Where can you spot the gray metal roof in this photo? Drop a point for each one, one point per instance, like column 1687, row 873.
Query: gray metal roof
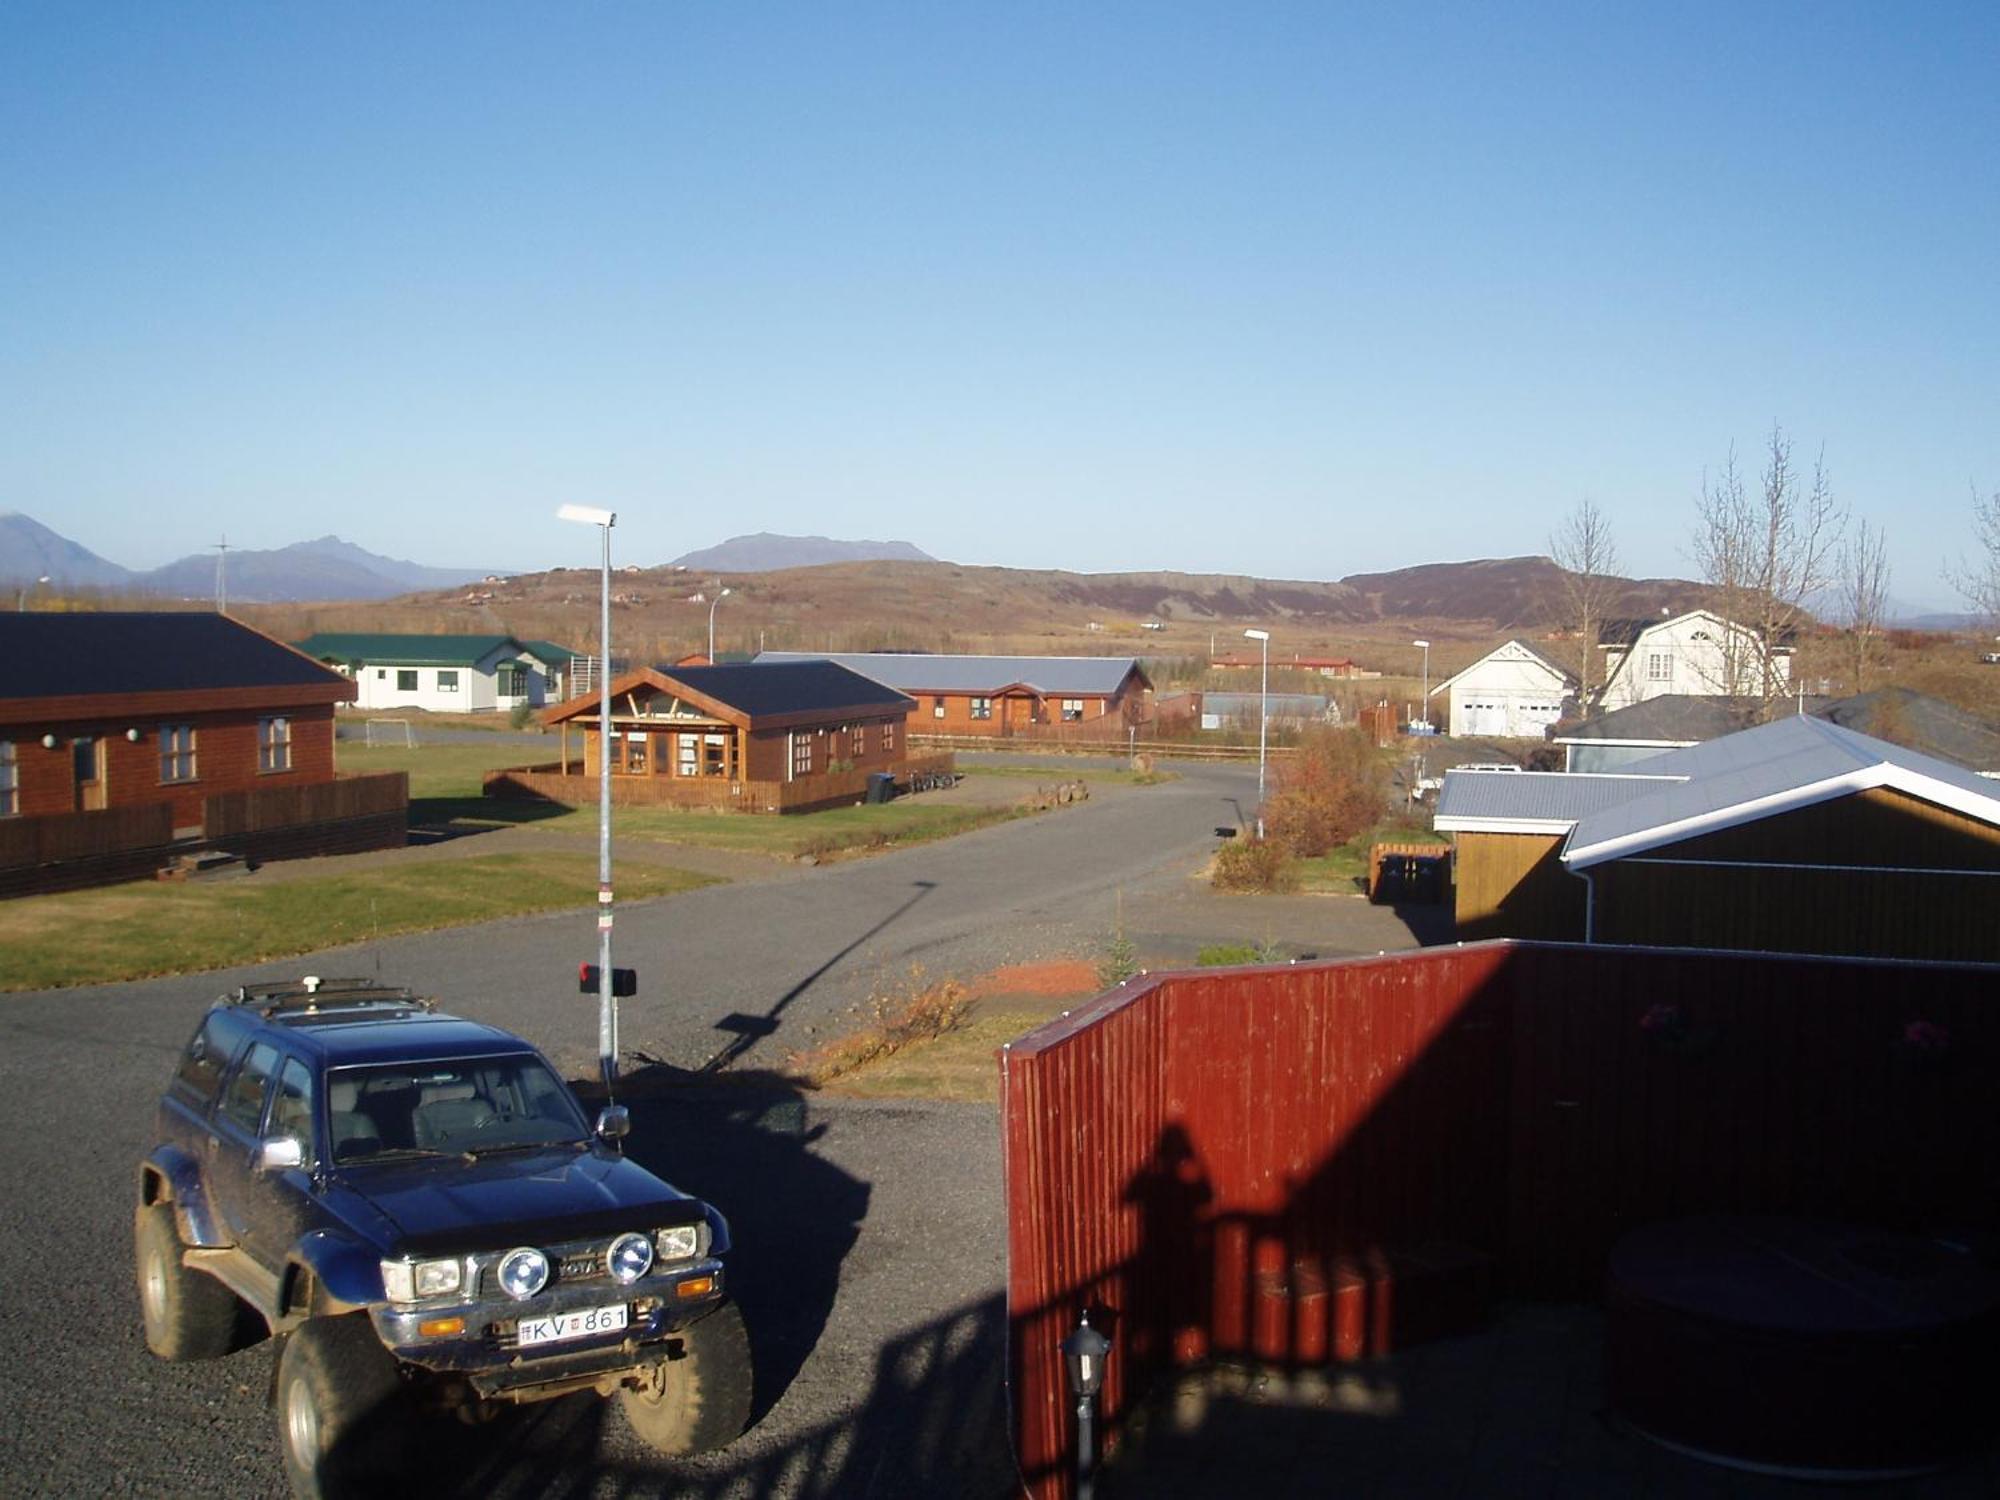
column 1791, row 762
column 1052, row 676
column 1533, row 801
column 1281, row 705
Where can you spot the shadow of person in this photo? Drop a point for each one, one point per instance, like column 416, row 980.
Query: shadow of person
column 1176, row 1251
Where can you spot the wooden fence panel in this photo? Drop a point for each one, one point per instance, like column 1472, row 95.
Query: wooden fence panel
column 54, row 837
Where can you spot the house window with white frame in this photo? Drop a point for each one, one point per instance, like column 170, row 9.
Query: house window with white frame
column 10, row 781
column 177, row 752
column 1072, row 710
column 937, row 708
column 888, row 736
column 1659, row 666
column 274, row 744
column 802, row 755
column 513, row 680
column 982, row 708
column 406, row 679
column 448, row 681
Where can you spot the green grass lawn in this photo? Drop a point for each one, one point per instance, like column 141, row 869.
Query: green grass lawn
column 445, row 782
column 132, row 931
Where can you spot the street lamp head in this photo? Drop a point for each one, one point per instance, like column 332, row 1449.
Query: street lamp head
column 725, row 593
column 1258, row 635
column 1425, row 644
column 587, row 515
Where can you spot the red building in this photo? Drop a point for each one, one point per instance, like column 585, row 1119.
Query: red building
column 124, row 733
column 1087, row 696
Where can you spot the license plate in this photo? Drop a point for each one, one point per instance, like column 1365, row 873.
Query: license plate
column 558, row 1328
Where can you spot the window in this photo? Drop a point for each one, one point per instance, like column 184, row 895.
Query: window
column 380, row 673
column 202, row 1064
column 10, row 781
column 513, row 680
column 888, row 736
column 406, row 680
column 1659, row 666
column 688, row 758
column 982, row 708
column 177, row 752
column 714, row 755
column 243, row 1104
column 292, row 1109
column 1072, row 710
column 448, row 682
column 274, row 744
column 937, row 708
column 802, row 755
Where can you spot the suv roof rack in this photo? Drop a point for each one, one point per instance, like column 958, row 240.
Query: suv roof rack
column 313, row 994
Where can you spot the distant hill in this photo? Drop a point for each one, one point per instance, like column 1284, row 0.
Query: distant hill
column 29, row 550
column 767, row 552
column 324, row 569
column 1512, row 592
column 327, row 568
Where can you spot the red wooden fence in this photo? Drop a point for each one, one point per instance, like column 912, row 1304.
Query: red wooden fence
column 1179, row 1137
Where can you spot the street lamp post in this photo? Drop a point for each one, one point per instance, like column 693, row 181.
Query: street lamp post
column 1425, row 701
column 607, row 1006
column 720, row 596
column 1263, row 638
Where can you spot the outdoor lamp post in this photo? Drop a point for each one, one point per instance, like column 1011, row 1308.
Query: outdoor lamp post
column 720, row 596
column 1425, row 702
column 607, row 1006
column 1083, row 1360
column 1263, row 637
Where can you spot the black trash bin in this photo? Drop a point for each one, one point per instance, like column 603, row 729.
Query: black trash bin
column 881, row 786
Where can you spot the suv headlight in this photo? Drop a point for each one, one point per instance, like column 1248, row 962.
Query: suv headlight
column 417, row 1280
column 682, row 1242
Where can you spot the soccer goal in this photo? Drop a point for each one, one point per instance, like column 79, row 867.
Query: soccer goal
column 390, row 732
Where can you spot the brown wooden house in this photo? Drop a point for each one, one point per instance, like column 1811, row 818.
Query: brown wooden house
column 1797, row 836
column 782, row 737
column 1003, row 696
column 126, row 735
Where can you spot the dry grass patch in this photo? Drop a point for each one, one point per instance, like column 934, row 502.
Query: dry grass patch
column 921, row 1009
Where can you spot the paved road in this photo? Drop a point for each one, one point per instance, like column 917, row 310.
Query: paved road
column 870, row 1245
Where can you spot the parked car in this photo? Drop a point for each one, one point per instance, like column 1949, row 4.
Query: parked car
column 416, row 1205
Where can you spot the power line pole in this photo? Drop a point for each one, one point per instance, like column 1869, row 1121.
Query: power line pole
column 222, row 575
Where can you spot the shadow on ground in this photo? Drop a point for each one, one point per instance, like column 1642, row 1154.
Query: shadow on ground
column 926, row 1418
column 433, row 820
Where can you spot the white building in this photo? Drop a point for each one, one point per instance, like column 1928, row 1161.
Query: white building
column 1695, row 654
column 444, row 673
column 1512, row 692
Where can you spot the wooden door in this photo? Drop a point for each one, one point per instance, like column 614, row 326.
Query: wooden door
column 87, row 760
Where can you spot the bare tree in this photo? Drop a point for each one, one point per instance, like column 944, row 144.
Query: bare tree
column 1977, row 578
column 1864, row 595
column 1582, row 547
column 1765, row 555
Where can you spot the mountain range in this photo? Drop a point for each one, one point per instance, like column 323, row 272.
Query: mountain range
column 767, row 552
column 326, row 568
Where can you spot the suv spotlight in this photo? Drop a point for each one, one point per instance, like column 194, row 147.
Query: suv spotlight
column 418, row 1207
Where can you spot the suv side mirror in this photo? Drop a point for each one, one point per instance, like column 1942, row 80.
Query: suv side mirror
column 614, row 1123
column 279, row 1153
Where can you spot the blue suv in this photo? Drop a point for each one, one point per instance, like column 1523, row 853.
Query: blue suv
column 418, row 1207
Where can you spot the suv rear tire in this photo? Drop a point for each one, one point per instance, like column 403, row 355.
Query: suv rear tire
column 188, row 1314
column 701, row 1401
column 339, row 1418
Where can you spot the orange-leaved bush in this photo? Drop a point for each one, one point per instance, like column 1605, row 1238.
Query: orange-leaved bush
column 1334, row 787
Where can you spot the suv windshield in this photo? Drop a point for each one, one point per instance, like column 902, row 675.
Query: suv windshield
column 465, row 1104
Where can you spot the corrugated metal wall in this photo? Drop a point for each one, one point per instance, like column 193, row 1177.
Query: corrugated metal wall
column 1171, row 1140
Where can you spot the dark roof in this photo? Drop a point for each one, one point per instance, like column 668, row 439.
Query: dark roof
column 760, row 688
column 1671, row 718
column 51, row 655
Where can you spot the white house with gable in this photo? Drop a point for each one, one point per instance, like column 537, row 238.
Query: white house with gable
column 1512, row 692
column 1697, row 654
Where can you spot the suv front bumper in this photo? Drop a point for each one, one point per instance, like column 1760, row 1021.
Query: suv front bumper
column 487, row 1353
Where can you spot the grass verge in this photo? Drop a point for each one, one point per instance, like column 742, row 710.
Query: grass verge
column 136, row 931
column 919, row 1010
column 1058, row 771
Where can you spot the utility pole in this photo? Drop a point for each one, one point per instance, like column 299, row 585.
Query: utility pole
column 222, row 575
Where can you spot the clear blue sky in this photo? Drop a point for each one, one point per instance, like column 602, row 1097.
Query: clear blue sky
column 1289, row 290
